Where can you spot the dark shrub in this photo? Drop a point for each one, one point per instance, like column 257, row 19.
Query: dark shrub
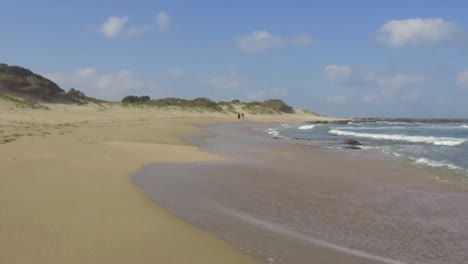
column 131, row 99
column 278, row 105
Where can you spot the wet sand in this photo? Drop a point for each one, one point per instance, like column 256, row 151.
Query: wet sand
column 288, row 203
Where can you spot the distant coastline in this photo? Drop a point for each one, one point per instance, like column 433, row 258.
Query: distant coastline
column 394, row 120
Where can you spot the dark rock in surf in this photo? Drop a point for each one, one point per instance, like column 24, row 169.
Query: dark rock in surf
column 352, row 142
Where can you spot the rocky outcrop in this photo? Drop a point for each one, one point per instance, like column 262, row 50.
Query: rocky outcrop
column 352, row 144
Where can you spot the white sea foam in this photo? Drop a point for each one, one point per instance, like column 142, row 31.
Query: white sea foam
column 423, row 126
column 285, row 125
column 436, row 164
column 273, row 132
column 287, row 232
column 306, row 127
column 439, row 141
column 372, row 128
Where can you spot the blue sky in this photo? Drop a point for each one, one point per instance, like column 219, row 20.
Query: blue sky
column 342, row 58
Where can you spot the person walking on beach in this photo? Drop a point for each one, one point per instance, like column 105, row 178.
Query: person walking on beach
column 242, row 114
column 238, row 115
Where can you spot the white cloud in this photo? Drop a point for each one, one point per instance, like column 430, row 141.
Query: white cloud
column 262, row 40
column 113, row 26
column 302, row 40
column 227, row 81
column 338, row 73
column 123, row 80
column 392, row 84
column 85, row 73
column 163, row 21
column 336, row 99
column 258, row 41
column 136, row 31
column 462, row 79
column 416, row 31
column 111, row 86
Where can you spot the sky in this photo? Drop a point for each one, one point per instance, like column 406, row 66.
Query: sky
column 338, row 58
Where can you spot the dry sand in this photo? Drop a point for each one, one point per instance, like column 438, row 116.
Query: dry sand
column 65, row 190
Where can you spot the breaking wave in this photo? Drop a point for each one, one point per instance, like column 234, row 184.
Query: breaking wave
column 436, row 164
column 305, row 127
column 273, row 132
column 438, row 141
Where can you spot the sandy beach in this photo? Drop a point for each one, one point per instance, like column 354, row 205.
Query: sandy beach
column 233, row 132
column 283, row 202
column 67, row 196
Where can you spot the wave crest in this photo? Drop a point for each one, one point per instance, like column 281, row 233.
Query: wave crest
column 273, row 132
column 438, row 141
column 436, row 164
column 306, row 127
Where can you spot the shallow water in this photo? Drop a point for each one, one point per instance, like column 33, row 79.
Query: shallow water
column 441, row 146
column 289, row 203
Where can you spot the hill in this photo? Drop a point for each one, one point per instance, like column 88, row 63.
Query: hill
column 23, row 83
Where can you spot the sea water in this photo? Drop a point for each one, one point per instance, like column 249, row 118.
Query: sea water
column 442, row 146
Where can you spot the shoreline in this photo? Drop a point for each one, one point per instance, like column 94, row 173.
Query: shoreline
column 386, row 196
column 67, row 197
column 66, row 190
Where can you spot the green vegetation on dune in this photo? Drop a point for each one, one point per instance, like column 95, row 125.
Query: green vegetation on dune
column 136, row 99
column 21, row 103
column 278, row 105
column 80, row 97
column 272, row 106
column 201, row 102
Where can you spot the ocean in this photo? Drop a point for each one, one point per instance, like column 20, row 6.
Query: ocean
column 283, row 201
column 439, row 146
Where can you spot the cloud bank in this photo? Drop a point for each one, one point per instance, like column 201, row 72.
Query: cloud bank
column 398, row 33
column 110, row 86
column 113, row 26
column 118, row 26
column 163, row 21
